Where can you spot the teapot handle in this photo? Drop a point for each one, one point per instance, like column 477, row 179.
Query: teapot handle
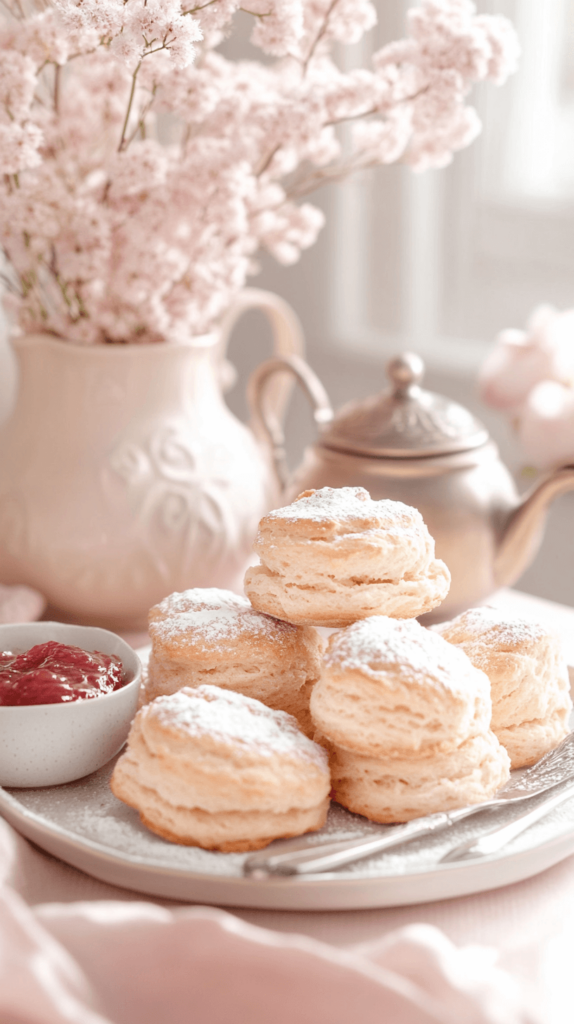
column 266, row 419
column 288, row 338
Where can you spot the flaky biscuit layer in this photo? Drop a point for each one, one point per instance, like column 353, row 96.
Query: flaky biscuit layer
column 335, row 555
column 392, row 686
column 331, row 602
column 208, row 755
column 343, row 529
column 210, row 636
column 530, row 687
column 389, row 790
column 226, row 831
column 528, row 742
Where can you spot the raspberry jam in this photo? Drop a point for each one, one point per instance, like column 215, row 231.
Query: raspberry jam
column 54, row 673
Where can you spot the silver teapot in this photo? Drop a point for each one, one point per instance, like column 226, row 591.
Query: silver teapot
column 425, row 450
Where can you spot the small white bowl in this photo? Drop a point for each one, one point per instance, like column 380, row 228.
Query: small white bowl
column 49, row 744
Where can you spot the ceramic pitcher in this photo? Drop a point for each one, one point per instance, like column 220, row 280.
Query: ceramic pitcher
column 124, row 476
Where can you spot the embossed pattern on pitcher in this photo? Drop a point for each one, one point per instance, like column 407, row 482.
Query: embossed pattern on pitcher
column 124, row 480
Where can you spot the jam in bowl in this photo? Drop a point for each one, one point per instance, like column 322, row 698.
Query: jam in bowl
column 56, row 673
column 68, row 695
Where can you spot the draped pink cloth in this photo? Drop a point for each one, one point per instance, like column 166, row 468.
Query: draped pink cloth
column 135, row 962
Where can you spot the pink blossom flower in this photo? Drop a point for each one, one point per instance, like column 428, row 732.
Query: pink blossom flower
column 383, row 142
column 278, row 25
column 41, row 38
column 213, row 17
column 504, row 47
column 138, row 170
column 17, row 86
column 449, row 48
column 19, row 146
column 102, row 18
column 344, row 20
column 138, row 185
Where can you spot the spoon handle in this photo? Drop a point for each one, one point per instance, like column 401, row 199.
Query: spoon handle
column 331, row 855
column 496, row 838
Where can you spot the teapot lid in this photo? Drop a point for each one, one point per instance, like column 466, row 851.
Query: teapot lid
column 404, row 421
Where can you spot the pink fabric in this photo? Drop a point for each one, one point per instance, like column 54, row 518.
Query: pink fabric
column 120, row 962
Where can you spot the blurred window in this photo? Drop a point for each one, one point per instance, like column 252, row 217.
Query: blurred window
column 444, row 260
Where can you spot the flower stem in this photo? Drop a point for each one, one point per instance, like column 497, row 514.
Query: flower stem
column 57, row 75
column 129, row 110
column 319, row 35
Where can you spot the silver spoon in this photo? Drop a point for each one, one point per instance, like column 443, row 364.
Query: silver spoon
column 494, row 840
column 302, row 856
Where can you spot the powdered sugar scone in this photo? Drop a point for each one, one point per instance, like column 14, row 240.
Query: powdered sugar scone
column 213, row 768
column 396, row 789
column 530, row 688
column 334, row 556
column 406, row 720
column 391, row 686
column 214, row 636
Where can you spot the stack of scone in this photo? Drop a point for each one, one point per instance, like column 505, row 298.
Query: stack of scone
column 334, row 556
column 403, row 712
column 213, row 636
column 213, row 768
column 528, row 675
column 406, row 720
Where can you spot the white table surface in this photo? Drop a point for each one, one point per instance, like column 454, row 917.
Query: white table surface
column 516, row 921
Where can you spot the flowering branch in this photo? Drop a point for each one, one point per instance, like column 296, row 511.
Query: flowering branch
column 129, row 108
column 320, row 34
column 113, row 236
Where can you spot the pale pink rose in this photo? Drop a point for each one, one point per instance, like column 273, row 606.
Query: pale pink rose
column 522, row 359
column 546, row 425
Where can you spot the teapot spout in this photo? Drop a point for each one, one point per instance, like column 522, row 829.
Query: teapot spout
column 525, row 526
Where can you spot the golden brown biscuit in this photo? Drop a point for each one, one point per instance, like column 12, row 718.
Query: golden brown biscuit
column 334, row 556
column 216, row 637
column 530, row 688
column 213, row 768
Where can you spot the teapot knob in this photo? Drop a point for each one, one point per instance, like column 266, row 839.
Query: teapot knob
column 405, row 371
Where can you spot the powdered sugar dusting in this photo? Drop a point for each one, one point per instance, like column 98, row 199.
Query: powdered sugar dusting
column 209, row 617
column 86, row 815
column 490, row 626
column 377, row 645
column 346, row 504
column 235, row 721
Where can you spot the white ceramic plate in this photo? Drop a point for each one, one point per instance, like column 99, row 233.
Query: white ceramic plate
column 83, row 824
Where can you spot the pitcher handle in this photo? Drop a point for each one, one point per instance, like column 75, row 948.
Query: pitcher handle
column 265, row 419
column 288, row 337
